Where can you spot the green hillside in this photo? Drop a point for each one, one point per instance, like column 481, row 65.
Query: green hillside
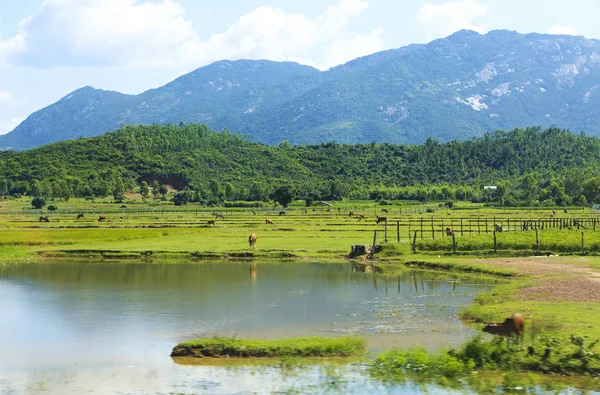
column 528, row 165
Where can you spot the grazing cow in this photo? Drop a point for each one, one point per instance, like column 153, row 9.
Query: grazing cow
column 80, row 216
column 384, row 210
column 253, row 212
column 361, row 216
column 512, row 327
column 381, row 219
column 350, row 214
column 44, row 218
column 219, row 215
column 281, row 213
column 498, row 227
column 565, row 210
column 269, row 221
column 553, row 213
column 252, row 241
column 449, row 232
column 210, row 222
column 102, row 218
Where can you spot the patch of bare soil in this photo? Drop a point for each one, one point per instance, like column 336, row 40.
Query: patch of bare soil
column 566, row 282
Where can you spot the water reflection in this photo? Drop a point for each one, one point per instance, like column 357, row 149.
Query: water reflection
column 90, row 326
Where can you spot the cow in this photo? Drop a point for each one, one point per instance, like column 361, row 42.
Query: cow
column 361, row 216
column 80, row 216
column 253, row 212
column 384, row 210
column 512, row 327
column 449, row 232
column 281, row 213
column 553, row 213
column 219, row 215
column 210, row 222
column 565, row 210
column 269, row 221
column 350, row 214
column 102, row 218
column 381, row 219
column 252, row 241
column 44, row 218
column 498, row 227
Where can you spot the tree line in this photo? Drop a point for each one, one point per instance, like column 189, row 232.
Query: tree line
column 528, row 166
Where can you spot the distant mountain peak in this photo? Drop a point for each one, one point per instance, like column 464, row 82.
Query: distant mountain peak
column 456, row 87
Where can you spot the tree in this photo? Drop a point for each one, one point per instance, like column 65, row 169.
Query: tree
column 155, row 190
column 36, row 188
column 530, row 189
column 284, row 195
column 144, row 189
column 181, row 198
column 38, row 202
column 256, row 192
column 119, row 191
column 163, row 191
column 229, row 191
column 3, row 187
column 214, row 187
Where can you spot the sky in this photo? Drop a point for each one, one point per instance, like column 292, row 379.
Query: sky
column 49, row 48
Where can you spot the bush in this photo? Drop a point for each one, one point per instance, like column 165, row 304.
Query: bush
column 38, row 202
column 123, row 206
column 52, row 208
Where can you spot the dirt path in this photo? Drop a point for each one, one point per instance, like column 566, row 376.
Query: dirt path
column 564, row 278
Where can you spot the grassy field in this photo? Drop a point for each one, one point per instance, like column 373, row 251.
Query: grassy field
column 552, row 291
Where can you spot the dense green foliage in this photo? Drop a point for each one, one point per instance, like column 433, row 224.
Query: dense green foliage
column 296, row 347
column 453, row 88
column 576, row 356
column 531, row 166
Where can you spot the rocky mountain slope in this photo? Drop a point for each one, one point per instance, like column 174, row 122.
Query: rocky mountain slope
column 452, row 88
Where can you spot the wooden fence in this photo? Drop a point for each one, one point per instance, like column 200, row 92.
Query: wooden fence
column 431, row 228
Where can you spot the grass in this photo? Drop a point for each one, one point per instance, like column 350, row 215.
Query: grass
column 251, row 348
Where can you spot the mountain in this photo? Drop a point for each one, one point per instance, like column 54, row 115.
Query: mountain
column 452, row 88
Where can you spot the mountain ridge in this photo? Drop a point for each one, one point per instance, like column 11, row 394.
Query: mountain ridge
column 456, row 87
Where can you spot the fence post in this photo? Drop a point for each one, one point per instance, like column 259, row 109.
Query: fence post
column 537, row 241
column 582, row 243
column 461, row 227
column 495, row 244
column 398, row 230
column 432, row 229
column 421, row 228
column 414, row 246
column 385, row 239
column 453, row 242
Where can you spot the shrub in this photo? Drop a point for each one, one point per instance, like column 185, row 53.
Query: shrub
column 52, row 208
column 38, row 202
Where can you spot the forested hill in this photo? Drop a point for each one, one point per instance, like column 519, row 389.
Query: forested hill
column 452, row 88
column 522, row 162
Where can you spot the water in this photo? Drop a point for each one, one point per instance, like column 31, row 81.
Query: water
column 107, row 328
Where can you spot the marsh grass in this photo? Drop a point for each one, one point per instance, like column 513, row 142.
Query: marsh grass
column 292, row 347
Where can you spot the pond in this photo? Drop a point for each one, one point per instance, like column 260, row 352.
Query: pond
column 110, row 327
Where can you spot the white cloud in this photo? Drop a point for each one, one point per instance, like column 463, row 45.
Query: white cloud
column 442, row 20
column 10, row 125
column 5, row 97
column 271, row 33
column 563, row 29
column 135, row 33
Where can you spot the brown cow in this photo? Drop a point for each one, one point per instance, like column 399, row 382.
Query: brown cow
column 102, row 218
column 498, row 227
column 269, row 221
column 252, row 241
column 210, row 222
column 381, row 219
column 80, row 216
column 361, row 216
column 449, row 232
column 512, row 327
column 44, row 218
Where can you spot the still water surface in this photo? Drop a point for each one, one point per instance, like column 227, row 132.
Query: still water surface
column 107, row 328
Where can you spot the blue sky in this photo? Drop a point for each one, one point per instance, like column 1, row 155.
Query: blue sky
column 49, row 48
